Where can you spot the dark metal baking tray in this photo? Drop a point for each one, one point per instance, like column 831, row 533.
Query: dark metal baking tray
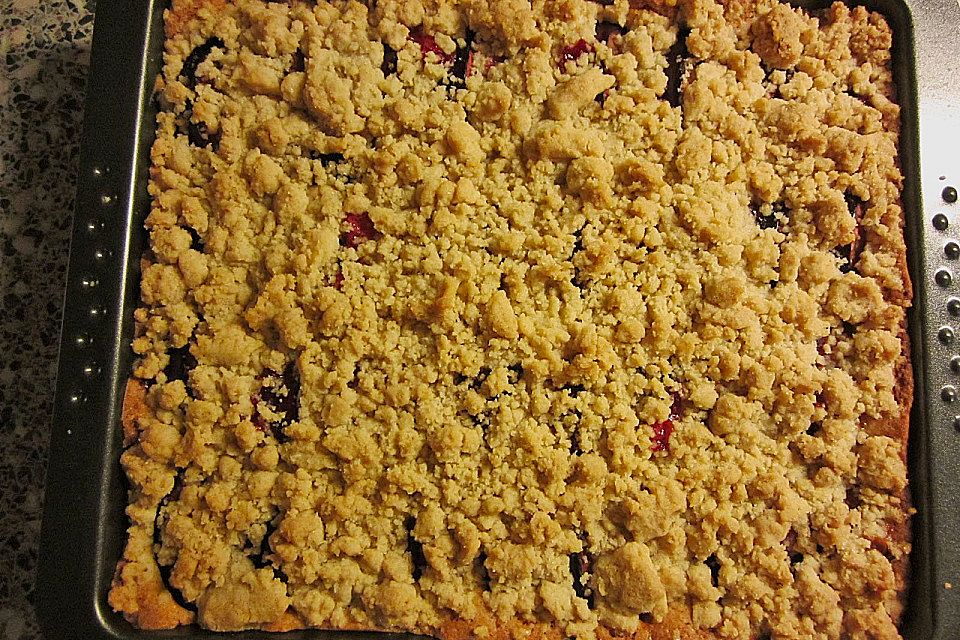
column 84, row 522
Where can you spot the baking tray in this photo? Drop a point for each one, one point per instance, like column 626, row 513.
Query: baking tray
column 84, row 523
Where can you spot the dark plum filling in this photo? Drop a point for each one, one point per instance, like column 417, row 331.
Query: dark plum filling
column 462, row 62
column 197, row 132
column 196, row 242
column 581, row 564
column 609, row 33
column 677, row 59
column 389, row 64
column 415, row 549
column 713, row 563
column 326, row 159
column 773, row 220
column 180, row 364
column 484, row 572
column 852, row 497
column 773, row 90
column 850, row 253
column 197, row 56
column 280, row 392
column 577, row 248
column 790, row 543
column 259, row 555
column 299, row 61
column 199, row 135
column 166, row 570
column 571, row 423
column 574, row 389
column 863, row 99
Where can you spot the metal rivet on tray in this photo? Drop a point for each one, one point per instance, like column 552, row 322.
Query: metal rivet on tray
column 940, row 222
column 77, row 398
column 97, row 172
column 953, row 306
column 943, row 278
column 89, row 282
column 94, row 225
column 949, row 194
column 951, row 250
column 98, row 312
column 106, row 199
column 948, row 393
column 83, row 340
column 956, row 423
column 955, row 364
column 945, row 334
column 91, row 369
column 101, row 254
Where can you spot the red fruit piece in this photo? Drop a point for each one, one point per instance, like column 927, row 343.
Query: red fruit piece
column 664, row 429
column 428, row 43
column 338, row 281
column 361, row 229
column 483, row 67
column 661, row 435
column 573, row 52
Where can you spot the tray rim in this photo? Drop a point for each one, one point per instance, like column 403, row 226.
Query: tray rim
column 102, row 279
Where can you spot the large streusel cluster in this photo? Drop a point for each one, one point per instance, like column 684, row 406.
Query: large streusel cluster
column 490, row 318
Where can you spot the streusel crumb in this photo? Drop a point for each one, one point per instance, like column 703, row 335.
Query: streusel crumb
column 511, row 320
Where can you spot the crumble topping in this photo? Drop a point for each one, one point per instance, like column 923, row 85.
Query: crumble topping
column 563, row 315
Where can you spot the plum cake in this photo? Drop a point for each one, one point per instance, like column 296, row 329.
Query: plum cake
column 522, row 319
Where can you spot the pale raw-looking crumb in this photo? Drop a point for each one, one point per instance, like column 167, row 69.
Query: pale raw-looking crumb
column 508, row 320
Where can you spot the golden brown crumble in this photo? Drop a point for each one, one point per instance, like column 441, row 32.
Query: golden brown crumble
column 497, row 319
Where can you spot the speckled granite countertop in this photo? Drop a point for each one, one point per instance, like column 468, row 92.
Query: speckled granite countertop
column 45, row 49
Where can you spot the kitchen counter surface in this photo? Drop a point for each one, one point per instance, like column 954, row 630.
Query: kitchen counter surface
column 44, row 49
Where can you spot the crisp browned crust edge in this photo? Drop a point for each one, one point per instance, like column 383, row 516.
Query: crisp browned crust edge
column 902, row 530
column 134, row 408
column 675, row 626
column 183, row 11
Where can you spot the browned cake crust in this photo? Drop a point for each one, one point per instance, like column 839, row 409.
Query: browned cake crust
column 507, row 320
